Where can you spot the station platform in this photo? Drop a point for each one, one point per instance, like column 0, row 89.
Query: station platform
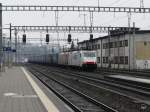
column 20, row 91
column 130, row 78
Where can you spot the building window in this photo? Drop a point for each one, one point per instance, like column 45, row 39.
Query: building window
column 116, row 60
column 98, row 46
column 104, row 45
column 115, row 44
column 113, row 60
column 89, row 47
column 121, row 60
column 126, row 59
column 107, row 45
column 125, row 43
column 120, row 44
column 111, row 45
column 98, row 59
column 92, row 47
column 105, row 59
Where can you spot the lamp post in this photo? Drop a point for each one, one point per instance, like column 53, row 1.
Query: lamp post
column 9, row 55
column 16, row 45
column 1, row 43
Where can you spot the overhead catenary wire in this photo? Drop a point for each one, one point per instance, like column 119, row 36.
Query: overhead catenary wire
column 121, row 2
column 116, row 1
column 116, row 19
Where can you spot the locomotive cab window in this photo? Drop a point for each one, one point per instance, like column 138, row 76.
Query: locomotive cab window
column 87, row 54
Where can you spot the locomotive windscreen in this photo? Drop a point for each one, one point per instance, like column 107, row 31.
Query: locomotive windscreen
column 89, row 54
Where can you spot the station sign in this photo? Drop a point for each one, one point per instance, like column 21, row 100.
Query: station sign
column 13, row 50
column 9, row 49
column 6, row 48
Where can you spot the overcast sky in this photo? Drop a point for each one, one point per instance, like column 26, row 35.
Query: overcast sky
column 76, row 18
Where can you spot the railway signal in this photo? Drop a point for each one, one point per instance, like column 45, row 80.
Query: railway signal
column 69, row 38
column 91, row 36
column 47, row 38
column 24, row 38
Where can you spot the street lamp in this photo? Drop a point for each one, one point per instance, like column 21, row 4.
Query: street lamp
column 9, row 45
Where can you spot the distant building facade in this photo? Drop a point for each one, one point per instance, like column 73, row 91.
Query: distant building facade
column 122, row 50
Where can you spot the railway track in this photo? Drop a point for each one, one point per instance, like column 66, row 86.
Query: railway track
column 139, row 88
column 98, row 84
column 136, row 73
column 74, row 98
column 145, row 87
column 132, row 87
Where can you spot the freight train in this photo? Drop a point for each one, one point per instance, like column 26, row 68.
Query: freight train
column 78, row 59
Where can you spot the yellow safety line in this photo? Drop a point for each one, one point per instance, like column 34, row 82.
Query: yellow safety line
column 44, row 99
